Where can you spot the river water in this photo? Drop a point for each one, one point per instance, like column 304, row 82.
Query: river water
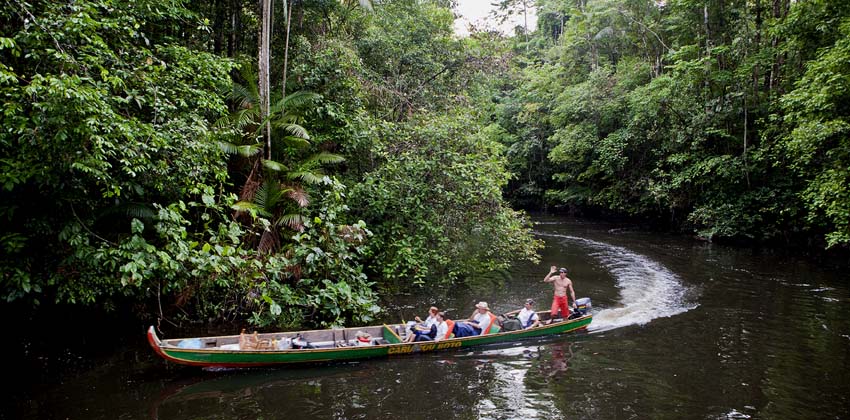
column 682, row 329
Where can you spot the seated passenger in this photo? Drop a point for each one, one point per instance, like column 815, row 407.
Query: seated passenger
column 419, row 328
column 439, row 331
column 432, row 317
column 527, row 316
column 483, row 320
column 445, row 327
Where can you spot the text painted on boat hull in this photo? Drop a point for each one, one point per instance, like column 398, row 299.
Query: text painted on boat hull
column 422, row 347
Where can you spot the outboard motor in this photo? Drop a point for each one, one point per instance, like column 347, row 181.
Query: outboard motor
column 583, row 305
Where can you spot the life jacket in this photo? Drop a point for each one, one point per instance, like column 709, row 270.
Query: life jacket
column 451, row 325
column 528, row 322
column 494, row 326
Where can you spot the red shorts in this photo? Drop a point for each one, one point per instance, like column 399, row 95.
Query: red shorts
column 560, row 302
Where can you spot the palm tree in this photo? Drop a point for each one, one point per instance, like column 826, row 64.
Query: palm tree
column 273, row 193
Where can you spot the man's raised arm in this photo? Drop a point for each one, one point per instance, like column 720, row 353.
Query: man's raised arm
column 548, row 278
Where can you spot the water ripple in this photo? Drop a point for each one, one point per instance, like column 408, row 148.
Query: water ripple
column 648, row 290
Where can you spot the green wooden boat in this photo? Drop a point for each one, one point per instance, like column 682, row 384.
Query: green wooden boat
column 254, row 350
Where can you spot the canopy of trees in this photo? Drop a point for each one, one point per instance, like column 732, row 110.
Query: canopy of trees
column 289, row 162
column 726, row 119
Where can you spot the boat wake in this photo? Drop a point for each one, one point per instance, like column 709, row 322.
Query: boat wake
column 648, row 290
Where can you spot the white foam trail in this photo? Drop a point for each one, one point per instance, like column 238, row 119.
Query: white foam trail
column 648, row 290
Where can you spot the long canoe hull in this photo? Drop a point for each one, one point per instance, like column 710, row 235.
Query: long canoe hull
column 257, row 358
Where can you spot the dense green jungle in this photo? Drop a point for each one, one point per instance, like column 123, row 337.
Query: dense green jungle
column 289, row 163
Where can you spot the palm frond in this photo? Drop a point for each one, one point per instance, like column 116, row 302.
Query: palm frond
column 299, row 99
column 297, row 131
column 249, row 150
column 251, row 185
column 228, row 147
column 222, row 123
column 139, row 211
column 244, row 96
column 251, row 208
column 307, row 177
column 323, row 158
column 299, row 196
column 245, row 117
column 273, row 165
column 291, row 142
column 270, row 194
column 249, row 74
column 246, row 150
column 261, row 196
column 293, row 221
column 269, row 242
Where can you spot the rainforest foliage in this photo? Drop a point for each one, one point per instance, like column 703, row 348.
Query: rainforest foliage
column 146, row 166
column 724, row 118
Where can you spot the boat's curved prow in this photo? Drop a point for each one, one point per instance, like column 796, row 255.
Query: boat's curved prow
column 154, row 341
column 152, row 338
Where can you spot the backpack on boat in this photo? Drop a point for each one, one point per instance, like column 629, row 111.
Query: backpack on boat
column 510, row 324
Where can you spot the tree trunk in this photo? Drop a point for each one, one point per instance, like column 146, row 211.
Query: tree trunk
column 235, row 41
column 286, row 45
column 706, row 85
column 219, row 8
column 525, row 22
column 263, row 81
column 756, row 68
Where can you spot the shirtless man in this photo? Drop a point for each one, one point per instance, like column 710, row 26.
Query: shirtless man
column 562, row 283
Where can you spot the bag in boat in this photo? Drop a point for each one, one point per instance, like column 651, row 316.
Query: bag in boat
column 300, row 343
column 511, row 324
column 190, row 343
column 363, row 339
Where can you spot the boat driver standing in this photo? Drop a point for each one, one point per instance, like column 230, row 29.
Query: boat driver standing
column 562, row 283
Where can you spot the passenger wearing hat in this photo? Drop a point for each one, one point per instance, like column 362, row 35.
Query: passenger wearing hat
column 482, row 320
column 562, row 283
column 527, row 317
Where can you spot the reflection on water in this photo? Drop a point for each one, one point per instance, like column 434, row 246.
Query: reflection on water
column 681, row 330
column 491, row 382
column 561, row 354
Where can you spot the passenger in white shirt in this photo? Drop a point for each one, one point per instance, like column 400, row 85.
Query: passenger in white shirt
column 527, row 316
column 481, row 318
column 432, row 317
column 422, row 327
column 442, row 327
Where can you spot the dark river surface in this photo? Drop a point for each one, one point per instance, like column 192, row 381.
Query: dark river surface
column 682, row 330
